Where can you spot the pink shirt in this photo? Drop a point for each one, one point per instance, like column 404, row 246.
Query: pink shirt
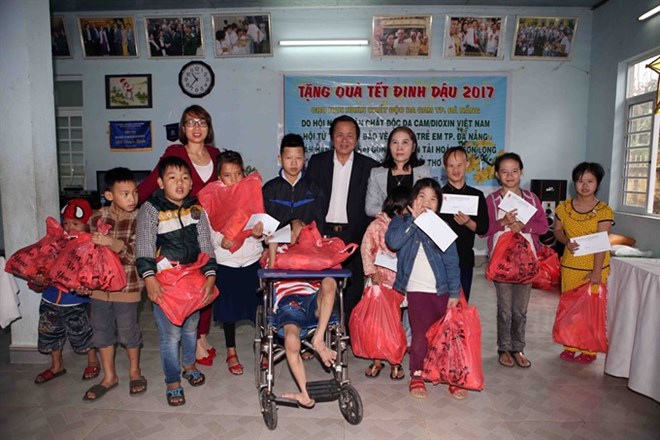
column 373, row 242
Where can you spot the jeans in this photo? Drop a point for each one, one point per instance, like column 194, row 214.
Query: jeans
column 170, row 337
column 512, row 301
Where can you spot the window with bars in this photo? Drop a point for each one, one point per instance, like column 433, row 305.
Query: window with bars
column 641, row 168
column 69, row 125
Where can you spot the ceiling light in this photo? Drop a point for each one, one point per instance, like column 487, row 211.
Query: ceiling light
column 324, row 42
column 649, row 14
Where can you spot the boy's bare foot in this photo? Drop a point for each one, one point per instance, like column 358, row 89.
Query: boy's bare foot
column 327, row 356
column 304, row 401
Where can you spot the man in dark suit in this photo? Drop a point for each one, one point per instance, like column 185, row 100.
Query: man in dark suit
column 343, row 173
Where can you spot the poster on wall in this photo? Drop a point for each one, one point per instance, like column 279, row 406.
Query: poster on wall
column 401, row 36
column 130, row 135
column 474, row 37
column 175, row 36
column 443, row 111
column 544, row 38
column 108, row 37
column 245, row 35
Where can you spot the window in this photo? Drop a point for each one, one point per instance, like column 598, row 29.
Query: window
column 641, row 167
column 69, row 125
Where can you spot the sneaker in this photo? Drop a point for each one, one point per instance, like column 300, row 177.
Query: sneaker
column 567, row 355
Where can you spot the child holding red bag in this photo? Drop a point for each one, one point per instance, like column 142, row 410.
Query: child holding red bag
column 512, row 298
column 373, row 243
column 583, row 215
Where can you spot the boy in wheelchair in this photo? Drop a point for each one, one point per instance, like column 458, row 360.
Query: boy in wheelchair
column 299, row 305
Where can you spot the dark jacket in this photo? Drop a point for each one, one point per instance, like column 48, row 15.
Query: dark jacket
column 179, row 233
column 304, row 201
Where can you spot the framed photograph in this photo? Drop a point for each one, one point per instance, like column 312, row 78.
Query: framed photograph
column 401, row 36
column 179, row 36
column 474, row 37
column 103, row 37
column 128, row 91
column 59, row 37
column 242, row 35
column 544, row 38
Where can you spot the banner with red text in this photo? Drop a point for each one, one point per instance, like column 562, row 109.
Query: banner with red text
column 443, row 111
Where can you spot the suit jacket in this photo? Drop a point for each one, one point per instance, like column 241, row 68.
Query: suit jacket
column 320, row 169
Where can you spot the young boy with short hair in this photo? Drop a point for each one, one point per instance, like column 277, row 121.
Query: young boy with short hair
column 174, row 226
column 114, row 314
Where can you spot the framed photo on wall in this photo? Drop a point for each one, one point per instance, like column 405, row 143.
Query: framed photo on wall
column 108, row 37
column 401, row 36
column 248, row 35
column 544, row 38
column 59, row 37
column 128, row 91
column 175, row 36
column 474, row 37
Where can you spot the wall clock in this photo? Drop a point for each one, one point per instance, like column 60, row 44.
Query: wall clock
column 196, row 79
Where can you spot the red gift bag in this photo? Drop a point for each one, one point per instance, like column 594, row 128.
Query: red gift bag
column 38, row 257
column 454, row 349
column 549, row 269
column 230, row 207
column 513, row 260
column 375, row 325
column 580, row 321
column 182, row 285
column 314, row 252
column 84, row 263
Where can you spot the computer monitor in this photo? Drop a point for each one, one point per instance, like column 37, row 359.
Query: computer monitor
column 140, row 175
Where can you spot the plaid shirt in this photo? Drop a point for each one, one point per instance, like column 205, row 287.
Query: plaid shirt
column 123, row 228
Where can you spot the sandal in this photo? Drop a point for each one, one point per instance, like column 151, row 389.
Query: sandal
column 396, row 372
column 417, row 388
column 506, row 360
column 236, row 369
column 99, row 391
column 91, row 372
column 175, row 396
column 138, row 386
column 458, row 393
column 194, row 377
column 373, row 370
column 520, row 359
column 48, row 375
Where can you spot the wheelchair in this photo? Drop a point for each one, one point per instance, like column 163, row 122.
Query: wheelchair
column 269, row 349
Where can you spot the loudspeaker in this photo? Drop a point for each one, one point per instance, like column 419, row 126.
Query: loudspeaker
column 550, row 192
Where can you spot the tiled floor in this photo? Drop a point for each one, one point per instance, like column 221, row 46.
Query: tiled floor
column 551, row 400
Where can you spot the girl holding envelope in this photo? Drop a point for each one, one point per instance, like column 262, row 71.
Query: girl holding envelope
column 512, row 299
column 583, row 215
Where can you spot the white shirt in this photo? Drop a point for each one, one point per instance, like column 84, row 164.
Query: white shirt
column 204, row 171
column 422, row 278
column 341, row 177
column 244, row 256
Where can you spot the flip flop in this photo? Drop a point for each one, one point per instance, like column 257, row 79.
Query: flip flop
column 99, row 391
column 175, row 393
column 91, row 372
column 194, row 377
column 300, row 405
column 507, row 356
column 140, row 383
column 48, row 375
column 397, row 373
column 373, row 370
column 521, row 363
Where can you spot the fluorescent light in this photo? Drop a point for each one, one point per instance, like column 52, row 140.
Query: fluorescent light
column 324, row 42
column 649, row 14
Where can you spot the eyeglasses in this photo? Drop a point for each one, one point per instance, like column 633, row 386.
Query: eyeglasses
column 193, row 122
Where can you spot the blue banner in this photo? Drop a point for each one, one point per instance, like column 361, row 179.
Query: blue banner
column 443, row 111
column 130, row 135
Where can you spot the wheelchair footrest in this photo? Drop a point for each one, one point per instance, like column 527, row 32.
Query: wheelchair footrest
column 323, row 390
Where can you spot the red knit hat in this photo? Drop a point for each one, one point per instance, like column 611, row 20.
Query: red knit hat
column 77, row 209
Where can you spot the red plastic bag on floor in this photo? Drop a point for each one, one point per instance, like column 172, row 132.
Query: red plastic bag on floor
column 38, row 257
column 84, row 263
column 182, row 294
column 230, row 207
column 581, row 320
column 454, row 349
column 312, row 251
column 375, row 325
column 549, row 269
column 513, row 260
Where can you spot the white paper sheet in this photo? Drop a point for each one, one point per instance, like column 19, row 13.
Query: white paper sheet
column 386, row 260
column 513, row 201
column 281, row 235
column 270, row 224
column 452, row 203
column 592, row 244
column 436, row 229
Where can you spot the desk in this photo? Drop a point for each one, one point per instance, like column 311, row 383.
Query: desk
column 8, row 299
column 633, row 324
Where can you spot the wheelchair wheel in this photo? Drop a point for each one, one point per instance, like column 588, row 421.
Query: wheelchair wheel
column 350, row 404
column 268, row 409
column 259, row 374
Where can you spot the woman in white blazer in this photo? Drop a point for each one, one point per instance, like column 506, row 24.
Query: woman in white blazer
column 401, row 167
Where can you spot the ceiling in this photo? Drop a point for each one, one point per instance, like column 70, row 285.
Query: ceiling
column 133, row 5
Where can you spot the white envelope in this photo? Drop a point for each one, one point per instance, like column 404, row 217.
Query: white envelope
column 281, row 235
column 386, row 260
column 436, row 229
column 513, row 201
column 270, row 224
column 592, row 244
column 452, row 203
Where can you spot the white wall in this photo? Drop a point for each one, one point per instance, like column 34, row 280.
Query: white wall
column 617, row 38
column 548, row 111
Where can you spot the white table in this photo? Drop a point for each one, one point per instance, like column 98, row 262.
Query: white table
column 633, row 323
column 8, row 297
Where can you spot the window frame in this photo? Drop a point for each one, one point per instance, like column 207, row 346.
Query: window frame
column 70, row 112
